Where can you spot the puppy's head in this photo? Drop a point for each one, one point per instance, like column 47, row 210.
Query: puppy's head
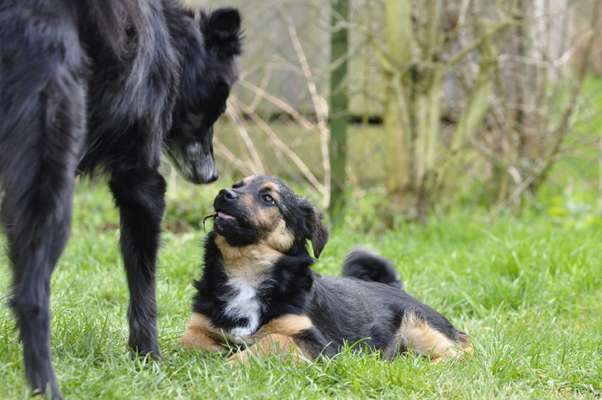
column 209, row 70
column 263, row 210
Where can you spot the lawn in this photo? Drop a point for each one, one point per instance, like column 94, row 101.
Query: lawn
column 526, row 289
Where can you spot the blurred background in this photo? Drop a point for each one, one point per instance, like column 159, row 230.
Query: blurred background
column 400, row 109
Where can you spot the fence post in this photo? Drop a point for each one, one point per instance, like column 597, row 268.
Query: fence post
column 399, row 44
column 339, row 105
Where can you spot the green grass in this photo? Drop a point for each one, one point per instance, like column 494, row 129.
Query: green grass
column 527, row 290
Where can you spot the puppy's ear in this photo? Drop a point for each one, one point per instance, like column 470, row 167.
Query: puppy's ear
column 222, row 32
column 315, row 230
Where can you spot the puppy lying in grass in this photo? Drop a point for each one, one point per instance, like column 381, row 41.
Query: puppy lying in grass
column 258, row 288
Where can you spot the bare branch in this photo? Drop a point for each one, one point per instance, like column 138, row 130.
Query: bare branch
column 320, row 108
column 233, row 112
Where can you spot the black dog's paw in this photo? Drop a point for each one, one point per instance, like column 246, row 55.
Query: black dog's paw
column 145, row 344
column 54, row 394
column 146, row 350
column 44, row 383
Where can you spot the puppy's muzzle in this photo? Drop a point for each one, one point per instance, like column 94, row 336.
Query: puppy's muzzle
column 227, row 196
column 227, row 202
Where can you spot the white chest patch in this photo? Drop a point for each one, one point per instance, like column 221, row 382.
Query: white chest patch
column 244, row 304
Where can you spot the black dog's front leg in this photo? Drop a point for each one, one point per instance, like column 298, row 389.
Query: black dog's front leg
column 140, row 196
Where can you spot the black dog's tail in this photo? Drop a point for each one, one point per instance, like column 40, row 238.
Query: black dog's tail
column 368, row 266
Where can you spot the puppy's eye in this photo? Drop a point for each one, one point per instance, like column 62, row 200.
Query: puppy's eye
column 268, row 199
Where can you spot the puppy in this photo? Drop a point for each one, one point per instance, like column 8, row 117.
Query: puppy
column 258, row 289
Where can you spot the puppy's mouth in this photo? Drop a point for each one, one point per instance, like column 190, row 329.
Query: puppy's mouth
column 220, row 215
column 227, row 219
column 220, row 219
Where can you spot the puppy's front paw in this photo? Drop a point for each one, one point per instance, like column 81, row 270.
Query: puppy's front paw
column 197, row 339
column 238, row 358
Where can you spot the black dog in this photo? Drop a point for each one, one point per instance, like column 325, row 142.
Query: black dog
column 88, row 85
column 258, row 287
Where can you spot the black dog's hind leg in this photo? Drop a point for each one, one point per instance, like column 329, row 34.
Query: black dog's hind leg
column 36, row 213
column 139, row 194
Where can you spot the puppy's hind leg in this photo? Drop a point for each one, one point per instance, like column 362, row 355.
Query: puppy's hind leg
column 36, row 213
column 416, row 334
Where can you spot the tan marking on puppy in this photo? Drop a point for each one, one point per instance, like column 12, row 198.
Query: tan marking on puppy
column 273, row 188
column 248, row 179
column 269, row 345
column 416, row 334
column 270, row 219
column 200, row 334
column 281, row 238
column 248, row 262
column 249, row 202
column 263, row 217
column 266, row 218
column 465, row 344
column 288, row 325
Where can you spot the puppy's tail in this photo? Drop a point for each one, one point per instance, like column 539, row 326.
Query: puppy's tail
column 368, row 266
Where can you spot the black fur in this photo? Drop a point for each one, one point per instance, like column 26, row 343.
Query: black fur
column 367, row 266
column 367, row 304
column 101, row 85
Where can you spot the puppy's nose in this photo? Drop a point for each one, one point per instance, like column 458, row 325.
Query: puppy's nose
column 228, row 195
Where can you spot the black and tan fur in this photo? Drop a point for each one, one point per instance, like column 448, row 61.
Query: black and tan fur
column 258, row 288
